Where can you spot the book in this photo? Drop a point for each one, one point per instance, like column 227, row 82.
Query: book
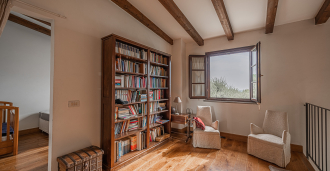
column 133, row 142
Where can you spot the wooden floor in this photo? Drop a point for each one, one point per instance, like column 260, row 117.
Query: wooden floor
column 177, row 155
column 32, row 154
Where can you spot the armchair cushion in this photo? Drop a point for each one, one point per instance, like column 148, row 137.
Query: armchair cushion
column 205, row 114
column 199, row 123
column 208, row 130
column 268, row 139
column 215, row 125
column 254, row 129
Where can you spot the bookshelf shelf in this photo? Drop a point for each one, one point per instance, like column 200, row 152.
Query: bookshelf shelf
column 130, row 58
column 126, row 134
column 153, row 113
column 159, row 100
column 160, row 88
column 122, row 120
column 122, row 105
column 158, row 64
column 126, row 88
column 158, row 76
column 130, row 73
column 110, row 142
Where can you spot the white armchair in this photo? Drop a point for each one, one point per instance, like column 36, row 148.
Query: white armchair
column 272, row 141
column 210, row 137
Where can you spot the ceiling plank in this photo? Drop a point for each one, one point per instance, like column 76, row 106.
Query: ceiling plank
column 134, row 12
column 174, row 10
column 42, row 21
column 220, row 8
column 324, row 13
column 271, row 15
column 29, row 24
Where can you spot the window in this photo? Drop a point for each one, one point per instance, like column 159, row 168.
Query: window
column 231, row 75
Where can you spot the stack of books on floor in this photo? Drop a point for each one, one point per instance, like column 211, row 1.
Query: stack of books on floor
column 156, row 132
column 156, row 70
column 157, row 58
column 128, row 50
column 129, row 144
column 158, row 82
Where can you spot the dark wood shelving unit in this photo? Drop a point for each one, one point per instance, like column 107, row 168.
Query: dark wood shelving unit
column 108, row 106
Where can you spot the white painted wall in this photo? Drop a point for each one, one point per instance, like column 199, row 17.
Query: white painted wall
column 295, row 64
column 77, row 65
column 25, row 72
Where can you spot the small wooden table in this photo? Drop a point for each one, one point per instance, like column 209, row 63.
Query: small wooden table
column 182, row 118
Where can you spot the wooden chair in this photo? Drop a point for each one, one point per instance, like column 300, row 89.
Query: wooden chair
column 9, row 116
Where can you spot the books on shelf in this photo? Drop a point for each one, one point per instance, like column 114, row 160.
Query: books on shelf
column 154, row 57
column 130, row 66
column 156, row 132
column 128, row 50
column 132, row 81
column 154, row 106
column 130, row 96
column 162, row 121
column 131, row 111
column 158, row 83
column 154, row 118
column 158, row 71
column 157, row 94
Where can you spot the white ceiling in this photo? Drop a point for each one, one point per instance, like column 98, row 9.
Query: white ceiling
column 244, row 15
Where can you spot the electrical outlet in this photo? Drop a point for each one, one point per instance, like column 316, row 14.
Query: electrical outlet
column 74, row 103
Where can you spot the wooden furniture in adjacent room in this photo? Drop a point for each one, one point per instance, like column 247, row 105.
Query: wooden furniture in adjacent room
column 9, row 119
column 112, row 57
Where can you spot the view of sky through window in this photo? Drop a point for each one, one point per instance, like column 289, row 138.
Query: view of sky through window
column 229, row 76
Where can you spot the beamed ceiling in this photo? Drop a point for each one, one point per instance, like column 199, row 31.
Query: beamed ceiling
column 197, row 20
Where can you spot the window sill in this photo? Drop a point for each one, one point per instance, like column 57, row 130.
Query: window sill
column 231, row 101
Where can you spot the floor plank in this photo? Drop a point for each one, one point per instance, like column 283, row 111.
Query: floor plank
column 32, row 154
column 179, row 156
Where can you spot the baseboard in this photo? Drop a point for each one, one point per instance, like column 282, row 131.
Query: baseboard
column 294, row 147
column 29, row 131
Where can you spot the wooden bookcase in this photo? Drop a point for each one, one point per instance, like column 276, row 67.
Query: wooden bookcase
column 108, row 105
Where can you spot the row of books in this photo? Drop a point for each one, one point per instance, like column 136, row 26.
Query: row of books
column 130, row 81
column 157, row 106
column 158, row 58
column 154, row 118
column 132, row 143
column 131, row 96
column 131, row 111
column 130, row 51
column 158, row 82
column 130, row 66
column 159, row 71
column 156, row 132
column 157, row 94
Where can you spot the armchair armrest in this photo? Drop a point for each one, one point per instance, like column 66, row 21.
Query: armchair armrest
column 215, row 125
column 194, row 124
column 286, row 137
column 254, row 129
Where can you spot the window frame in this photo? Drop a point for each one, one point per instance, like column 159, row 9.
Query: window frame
column 207, row 57
column 190, row 76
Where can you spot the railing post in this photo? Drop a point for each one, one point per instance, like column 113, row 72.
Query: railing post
column 307, row 132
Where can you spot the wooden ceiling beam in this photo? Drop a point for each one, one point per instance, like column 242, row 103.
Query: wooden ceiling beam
column 271, row 15
column 29, row 24
column 324, row 13
column 42, row 21
column 174, row 10
column 134, row 12
column 220, row 8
